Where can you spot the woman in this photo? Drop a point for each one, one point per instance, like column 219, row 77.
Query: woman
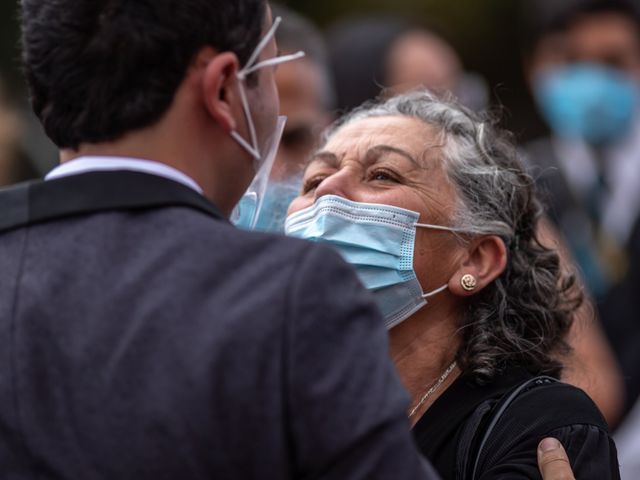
column 433, row 208
column 371, row 52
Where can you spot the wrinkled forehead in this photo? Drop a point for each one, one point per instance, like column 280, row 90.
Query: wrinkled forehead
column 421, row 141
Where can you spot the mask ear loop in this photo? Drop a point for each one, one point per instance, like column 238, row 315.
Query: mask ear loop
column 441, row 228
column 274, row 61
column 435, row 292
column 253, row 147
column 262, row 45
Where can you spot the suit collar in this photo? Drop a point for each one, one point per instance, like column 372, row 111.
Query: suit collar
column 38, row 202
column 88, row 164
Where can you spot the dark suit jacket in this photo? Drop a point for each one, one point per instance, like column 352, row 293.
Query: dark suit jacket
column 144, row 337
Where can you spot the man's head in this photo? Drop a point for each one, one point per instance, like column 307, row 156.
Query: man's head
column 104, row 71
column 101, row 68
column 593, row 47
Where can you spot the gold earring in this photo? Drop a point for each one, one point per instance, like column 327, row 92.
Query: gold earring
column 469, row 282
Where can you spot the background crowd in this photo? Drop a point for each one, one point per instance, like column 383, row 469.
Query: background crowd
column 566, row 77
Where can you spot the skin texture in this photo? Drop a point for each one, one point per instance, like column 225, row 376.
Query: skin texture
column 553, row 461
column 609, row 39
column 395, row 161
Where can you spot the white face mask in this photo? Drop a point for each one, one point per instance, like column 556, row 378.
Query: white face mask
column 246, row 212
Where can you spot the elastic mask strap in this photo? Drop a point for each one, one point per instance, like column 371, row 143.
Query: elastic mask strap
column 252, row 66
column 435, row 292
column 261, row 46
column 253, row 148
column 252, row 151
column 272, row 62
column 440, row 227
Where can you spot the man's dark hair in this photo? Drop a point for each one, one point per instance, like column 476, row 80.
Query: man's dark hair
column 98, row 69
column 583, row 8
column 544, row 17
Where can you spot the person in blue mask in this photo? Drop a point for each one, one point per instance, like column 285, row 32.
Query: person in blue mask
column 432, row 206
column 583, row 66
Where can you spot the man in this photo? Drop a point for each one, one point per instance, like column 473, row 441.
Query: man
column 584, row 69
column 142, row 335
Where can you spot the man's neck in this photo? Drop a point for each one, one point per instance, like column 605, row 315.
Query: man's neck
column 160, row 146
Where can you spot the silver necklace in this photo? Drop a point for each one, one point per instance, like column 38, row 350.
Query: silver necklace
column 433, row 388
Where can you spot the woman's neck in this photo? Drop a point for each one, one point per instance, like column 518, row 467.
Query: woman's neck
column 422, row 350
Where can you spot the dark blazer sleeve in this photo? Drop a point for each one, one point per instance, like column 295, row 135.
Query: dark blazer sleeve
column 567, row 414
column 346, row 405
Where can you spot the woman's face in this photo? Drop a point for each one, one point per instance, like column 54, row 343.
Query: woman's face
column 393, row 161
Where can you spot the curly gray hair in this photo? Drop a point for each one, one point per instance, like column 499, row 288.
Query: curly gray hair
column 523, row 317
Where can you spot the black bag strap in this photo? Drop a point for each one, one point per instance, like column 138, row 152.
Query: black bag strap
column 471, row 429
column 502, row 406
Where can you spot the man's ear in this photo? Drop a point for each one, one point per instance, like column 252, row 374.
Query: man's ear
column 486, row 260
column 221, row 90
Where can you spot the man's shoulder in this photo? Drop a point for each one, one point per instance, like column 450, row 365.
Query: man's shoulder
column 213, row 238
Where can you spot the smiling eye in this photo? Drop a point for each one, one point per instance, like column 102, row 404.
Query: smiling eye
column 383, row 175
column 312, row 183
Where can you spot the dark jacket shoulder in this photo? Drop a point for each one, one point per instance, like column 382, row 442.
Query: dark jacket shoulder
column 558, row 410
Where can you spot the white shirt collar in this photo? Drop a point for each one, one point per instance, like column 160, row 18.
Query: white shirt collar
column 104, row 164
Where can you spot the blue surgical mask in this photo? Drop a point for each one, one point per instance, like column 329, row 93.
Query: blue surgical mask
column 378, row 240
column 591, row 102
column 277, row 198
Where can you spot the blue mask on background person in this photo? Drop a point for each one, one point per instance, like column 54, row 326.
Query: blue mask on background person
column 591, row 102
column 378, row 240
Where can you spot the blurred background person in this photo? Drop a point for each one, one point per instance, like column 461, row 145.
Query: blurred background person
column 374, row 54
column 583, row 67
column 584, row 71
column 14, row 165
column 307, row 98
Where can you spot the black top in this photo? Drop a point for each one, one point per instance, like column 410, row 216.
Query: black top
column 567, row 414
column 144, row 337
